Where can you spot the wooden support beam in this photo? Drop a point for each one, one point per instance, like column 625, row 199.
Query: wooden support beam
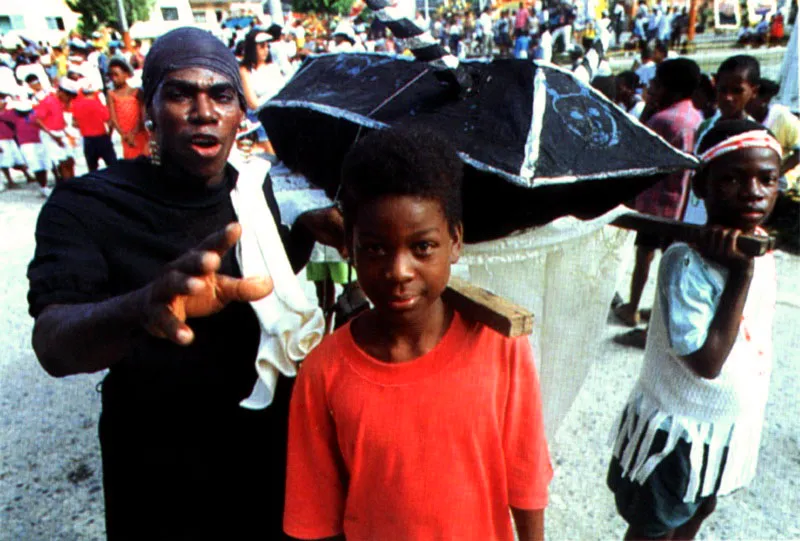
column 750, row 245
column 495, row 312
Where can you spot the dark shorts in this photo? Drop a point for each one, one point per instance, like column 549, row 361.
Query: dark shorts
column 96, row 148
column 657, row 506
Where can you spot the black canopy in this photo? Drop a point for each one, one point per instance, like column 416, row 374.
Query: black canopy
column 536, row 142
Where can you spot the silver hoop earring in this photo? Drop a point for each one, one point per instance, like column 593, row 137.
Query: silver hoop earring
column 148, row 125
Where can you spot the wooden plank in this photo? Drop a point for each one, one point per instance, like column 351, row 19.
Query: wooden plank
column 750, row 245
column 495, row 312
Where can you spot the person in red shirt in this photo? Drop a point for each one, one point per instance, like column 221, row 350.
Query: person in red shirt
column 412, row 421
column 50, row 118
column 92, row 118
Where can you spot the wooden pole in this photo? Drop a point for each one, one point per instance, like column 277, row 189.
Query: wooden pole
column 495, row 312
column 751, row 245
column 692, row 21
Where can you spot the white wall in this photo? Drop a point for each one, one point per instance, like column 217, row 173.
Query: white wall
column 30, row 18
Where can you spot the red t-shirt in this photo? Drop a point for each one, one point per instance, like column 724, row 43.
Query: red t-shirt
column 51, row 112
column 434, row 448
column 90, row 115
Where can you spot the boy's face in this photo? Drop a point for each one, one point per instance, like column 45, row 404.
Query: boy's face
column 403, row 248
column 733, row 93
column 740, row 188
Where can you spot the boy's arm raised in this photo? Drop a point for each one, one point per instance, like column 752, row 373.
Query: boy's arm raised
column 529, row 523
column 719, row 244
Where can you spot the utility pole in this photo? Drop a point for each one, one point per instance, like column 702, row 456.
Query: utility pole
column 123, row 25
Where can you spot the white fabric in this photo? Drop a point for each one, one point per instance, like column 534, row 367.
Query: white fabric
column 646, row 73
column 266, row 81
column 10, row 155
column 750, row 139
column 565, row 273
column 725, row 412
column 35, row 155
column 290, row 325
column 637, row 109
column 56, row 153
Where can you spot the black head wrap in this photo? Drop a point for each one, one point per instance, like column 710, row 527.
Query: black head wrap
column 188, row 47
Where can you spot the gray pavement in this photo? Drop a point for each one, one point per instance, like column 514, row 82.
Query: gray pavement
column 51, row 477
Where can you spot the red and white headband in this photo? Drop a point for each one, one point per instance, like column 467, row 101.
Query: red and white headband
column 749, row 139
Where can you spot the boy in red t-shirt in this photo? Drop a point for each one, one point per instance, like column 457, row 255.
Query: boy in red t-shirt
column 92, row 118
column 413, row 422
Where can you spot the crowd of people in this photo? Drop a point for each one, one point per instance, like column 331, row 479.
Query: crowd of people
column 69, row 98
column 682, row 105
column 411, row 421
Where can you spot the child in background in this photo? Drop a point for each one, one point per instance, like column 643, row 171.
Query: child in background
column 91, row 118
column 627, row 97
column 692, row 425
column 27, row 135
column 785, row 126
column 10, row 156
column 126, row 110
column 52, row 123
column 413, row 422
column 326, row 268
column 737, row 81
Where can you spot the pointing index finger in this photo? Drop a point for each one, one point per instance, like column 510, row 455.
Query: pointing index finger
column 223, row 240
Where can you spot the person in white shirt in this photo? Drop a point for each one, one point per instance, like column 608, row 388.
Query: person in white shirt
column 485, row 30
column 627, row 84
column 544, row 50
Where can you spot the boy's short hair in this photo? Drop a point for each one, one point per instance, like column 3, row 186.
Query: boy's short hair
column 630, row 79
column 742, row 63
column 31, row 78
column 679, row 76
column 768, row 88
column 706, row 86
column 402, row 161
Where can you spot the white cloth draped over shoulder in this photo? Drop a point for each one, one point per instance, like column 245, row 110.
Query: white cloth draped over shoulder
column 291, row 326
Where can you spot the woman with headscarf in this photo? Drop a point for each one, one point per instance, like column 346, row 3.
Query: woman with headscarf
column 261, row 77
column 134, row 272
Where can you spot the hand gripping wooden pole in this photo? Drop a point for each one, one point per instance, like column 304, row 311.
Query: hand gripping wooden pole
column 750, row 245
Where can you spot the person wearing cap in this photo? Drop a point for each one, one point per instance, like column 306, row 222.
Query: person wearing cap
column 92, row 119
column 261, row 78
column 50, row 118
column 28, row 64
column 27, row 135
column 134, row 272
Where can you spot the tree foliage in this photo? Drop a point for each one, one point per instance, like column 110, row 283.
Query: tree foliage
column 333, row 7
column 95, row 13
